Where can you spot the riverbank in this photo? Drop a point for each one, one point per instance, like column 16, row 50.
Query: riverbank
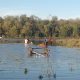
column 68, row 42
column 11, row 40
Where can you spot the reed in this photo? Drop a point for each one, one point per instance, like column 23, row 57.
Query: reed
column 69, row 42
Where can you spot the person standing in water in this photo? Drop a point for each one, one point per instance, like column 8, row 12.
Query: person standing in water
column 46, row 47
column 26, row 41
column 46, row 42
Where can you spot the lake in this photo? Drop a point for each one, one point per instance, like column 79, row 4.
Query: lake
column 62, row 64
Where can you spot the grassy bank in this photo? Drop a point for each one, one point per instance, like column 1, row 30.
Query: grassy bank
column 11, row 40
column 69, row 42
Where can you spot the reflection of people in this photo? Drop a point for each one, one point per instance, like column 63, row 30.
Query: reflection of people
column 30, row 51
column 46, row 51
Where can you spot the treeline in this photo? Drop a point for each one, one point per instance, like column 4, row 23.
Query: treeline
column 24, row 26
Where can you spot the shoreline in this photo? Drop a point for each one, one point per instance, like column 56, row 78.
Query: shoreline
column 68, row 42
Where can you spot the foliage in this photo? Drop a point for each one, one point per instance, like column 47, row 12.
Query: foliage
column 23, row 26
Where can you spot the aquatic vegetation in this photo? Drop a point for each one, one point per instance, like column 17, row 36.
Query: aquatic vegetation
column 69, row 42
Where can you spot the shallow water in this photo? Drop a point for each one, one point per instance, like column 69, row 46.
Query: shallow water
column 64, row 62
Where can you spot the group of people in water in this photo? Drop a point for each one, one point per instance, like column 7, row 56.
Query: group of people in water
column 44, row 46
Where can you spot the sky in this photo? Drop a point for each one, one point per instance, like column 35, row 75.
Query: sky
column 63, row 9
